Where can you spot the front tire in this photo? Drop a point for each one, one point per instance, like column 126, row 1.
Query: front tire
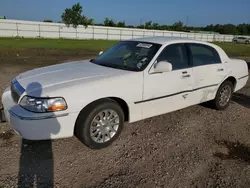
column 100, row 124
column 223, row 96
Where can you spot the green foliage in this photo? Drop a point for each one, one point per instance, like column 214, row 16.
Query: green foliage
column 71, row 44
column 240, row 50
column 178, row 26
column 109, row 22
column 121, row 24
column 73, row 16
column 148, row 25
column 86, row 21
column 241, row 29
column 49, row 21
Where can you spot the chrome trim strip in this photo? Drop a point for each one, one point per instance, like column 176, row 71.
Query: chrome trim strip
column 243, row 77
column 38, row 118
column 165, row 96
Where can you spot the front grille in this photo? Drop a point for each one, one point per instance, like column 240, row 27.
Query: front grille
column 16, row 90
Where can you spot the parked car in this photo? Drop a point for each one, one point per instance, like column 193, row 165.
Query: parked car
column 133, row 80
column 243, row 40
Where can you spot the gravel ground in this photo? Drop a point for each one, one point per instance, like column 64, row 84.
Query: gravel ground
column 194, row 147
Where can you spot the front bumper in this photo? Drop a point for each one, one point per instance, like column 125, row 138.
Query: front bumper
column 37, row 126
column 42, row 127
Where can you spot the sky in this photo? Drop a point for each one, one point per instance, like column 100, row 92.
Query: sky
column 133, row 12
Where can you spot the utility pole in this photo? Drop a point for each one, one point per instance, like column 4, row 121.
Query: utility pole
column 141, row 23
column 187, row 21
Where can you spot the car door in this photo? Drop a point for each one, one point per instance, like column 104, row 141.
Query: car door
column 208, row 71
column 242, row 39
column 168, row 91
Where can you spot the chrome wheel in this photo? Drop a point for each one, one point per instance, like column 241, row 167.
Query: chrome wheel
column 225, row 95
column 104, row 126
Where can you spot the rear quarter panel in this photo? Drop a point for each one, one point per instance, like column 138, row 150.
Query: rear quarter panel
column 238, row 69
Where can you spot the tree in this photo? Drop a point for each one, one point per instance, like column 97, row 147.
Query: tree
column 86, row 21
column 106, row 22
column 109, row 22
column 155, row 25
column 244, row 29
column 178, row 26
column 148, row 25
column 73, row 16
column 49, row 21
column 121, row 24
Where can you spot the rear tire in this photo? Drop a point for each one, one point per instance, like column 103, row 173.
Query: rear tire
column 100, row 124
column 223, row 96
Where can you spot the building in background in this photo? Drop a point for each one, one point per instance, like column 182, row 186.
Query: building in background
column 3, row 17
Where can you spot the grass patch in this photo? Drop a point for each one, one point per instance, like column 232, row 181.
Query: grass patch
column 18, row 43
column 233, row 50
column 97, row 45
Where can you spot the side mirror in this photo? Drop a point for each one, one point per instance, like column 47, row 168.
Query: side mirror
column 101, row 52
column 162, row 66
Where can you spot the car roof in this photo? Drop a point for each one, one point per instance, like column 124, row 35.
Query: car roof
column 171, row 40
column 164, row 40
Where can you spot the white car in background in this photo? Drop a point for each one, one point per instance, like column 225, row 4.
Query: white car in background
column 133, row 80
column 243, row 40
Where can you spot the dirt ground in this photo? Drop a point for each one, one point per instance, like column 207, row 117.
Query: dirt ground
column 194, row 147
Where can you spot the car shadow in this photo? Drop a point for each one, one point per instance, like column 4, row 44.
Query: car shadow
column 236, row 151
column 36, row 164
column 241, row 99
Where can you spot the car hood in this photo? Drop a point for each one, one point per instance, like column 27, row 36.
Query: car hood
column 64, row 73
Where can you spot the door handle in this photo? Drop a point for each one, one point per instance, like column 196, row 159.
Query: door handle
column 186, row 76
column 184, row 72
column 220, row 70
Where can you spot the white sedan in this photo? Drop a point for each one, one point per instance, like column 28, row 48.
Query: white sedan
column 133, row 80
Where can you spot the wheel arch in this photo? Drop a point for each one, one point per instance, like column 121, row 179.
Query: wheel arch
column 118, row 100
column 231, row 79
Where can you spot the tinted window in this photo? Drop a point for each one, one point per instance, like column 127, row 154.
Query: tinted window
column 175, row 54
column 203, row 55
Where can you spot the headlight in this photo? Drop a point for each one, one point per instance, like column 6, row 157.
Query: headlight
column 43, row 104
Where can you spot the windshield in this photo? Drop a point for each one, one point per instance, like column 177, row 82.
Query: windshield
column 128, row 55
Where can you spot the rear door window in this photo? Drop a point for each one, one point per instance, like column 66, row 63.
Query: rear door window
column 203, row 55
